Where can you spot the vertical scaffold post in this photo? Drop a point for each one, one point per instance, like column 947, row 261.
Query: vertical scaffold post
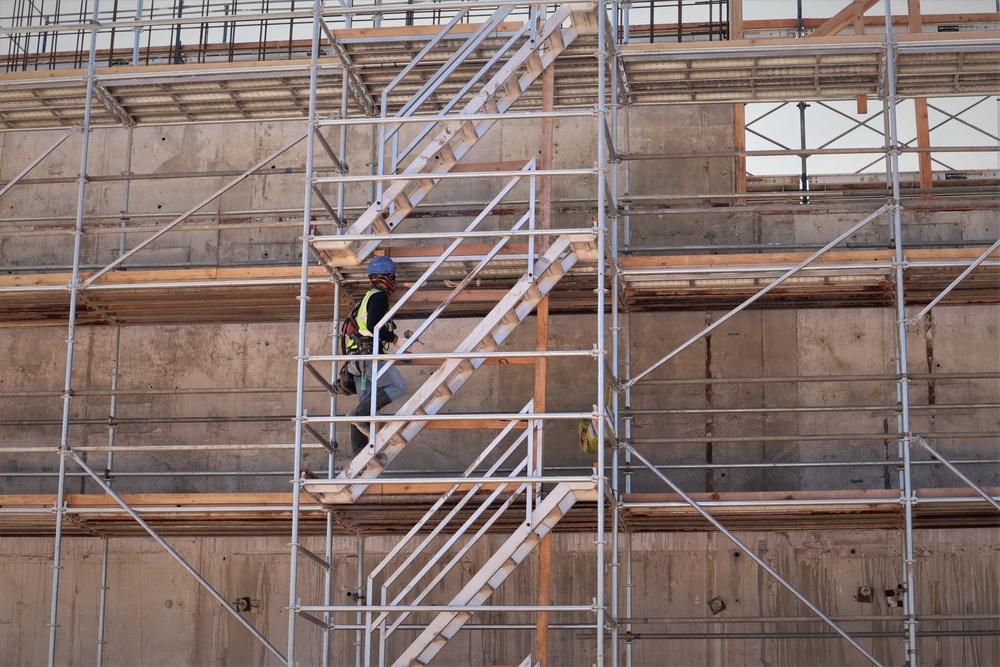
column 74, row 288
column 907, row 497
column 601, row 222
column 301, row 350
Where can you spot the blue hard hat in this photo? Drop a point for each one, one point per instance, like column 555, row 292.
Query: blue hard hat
column 380, row 265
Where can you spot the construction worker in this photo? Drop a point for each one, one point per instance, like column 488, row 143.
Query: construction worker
column 368, row 313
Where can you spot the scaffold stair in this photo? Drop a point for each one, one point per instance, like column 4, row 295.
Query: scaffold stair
column 563, row 253
column 496, row 570
column 456, row 137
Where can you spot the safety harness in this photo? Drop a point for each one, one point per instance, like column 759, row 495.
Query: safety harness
column 356, row 337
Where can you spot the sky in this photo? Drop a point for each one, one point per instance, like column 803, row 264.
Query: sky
column 764, row 9
column 822, row 125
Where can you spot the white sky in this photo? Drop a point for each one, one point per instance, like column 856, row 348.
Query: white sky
column 823, row 125
column 767, row 9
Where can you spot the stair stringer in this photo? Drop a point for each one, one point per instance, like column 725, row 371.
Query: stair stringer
column 496, row 570
column 516, row 305
column 443, row 152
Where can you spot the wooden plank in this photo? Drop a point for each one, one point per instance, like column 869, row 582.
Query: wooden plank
column 179, row 499
column 387, row 33
column 733, row 48
column 494, row 361
column 791, row 24
column 792, row 258
column 473, row 424
column 28, row 500
column 435, row 251
column 430, row 489
column 162, row 275
column 236, row 500
column 888, row 495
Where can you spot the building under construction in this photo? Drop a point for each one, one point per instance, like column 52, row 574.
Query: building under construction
column 702, row 311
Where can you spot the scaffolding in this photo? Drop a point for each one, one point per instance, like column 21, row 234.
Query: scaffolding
column 415, row 88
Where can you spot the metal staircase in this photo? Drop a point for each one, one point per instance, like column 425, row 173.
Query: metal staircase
column 456, row 137
column 496, row 570
column 442, row 145
column 437, row 545
column 564, row 252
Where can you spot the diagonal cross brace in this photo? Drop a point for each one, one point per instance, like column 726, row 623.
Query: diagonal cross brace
column 951, row 466
column 743, row 547
column 180, row 559
column 354, row 82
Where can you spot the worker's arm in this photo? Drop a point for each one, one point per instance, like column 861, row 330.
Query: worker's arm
column 378, row 306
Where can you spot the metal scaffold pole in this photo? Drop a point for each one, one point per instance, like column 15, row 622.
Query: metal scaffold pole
column 109, row 466
column 116, row 366
column 300, row 414
column 615, row 366
column 74, row 295
column 907, row 494
column 600, row 601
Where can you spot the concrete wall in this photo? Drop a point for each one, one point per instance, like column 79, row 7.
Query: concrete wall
column 158, row 616
column 167, row 619
column 756, row 344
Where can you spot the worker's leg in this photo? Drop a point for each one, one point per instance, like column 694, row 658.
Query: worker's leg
column 391, row 386
column 363, row 387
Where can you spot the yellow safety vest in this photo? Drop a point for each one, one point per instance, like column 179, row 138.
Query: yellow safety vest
column 360, row 315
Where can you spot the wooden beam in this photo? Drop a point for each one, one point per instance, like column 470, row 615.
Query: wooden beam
column 513, row 248
column 793, row 258
column 859, row 29
column 842, row 19
column 387, row 33
column 740, row 142
column 916, row 26
column 735, row 19
column 473, row 424
column 236, row 500
column 733, row 48
column 859, row 17
column 791, row 24
column 541, row 368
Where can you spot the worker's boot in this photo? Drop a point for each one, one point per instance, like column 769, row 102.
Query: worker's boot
column 359, row 430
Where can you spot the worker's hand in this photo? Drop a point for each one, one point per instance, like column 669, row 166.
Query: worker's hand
column 409, row 334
